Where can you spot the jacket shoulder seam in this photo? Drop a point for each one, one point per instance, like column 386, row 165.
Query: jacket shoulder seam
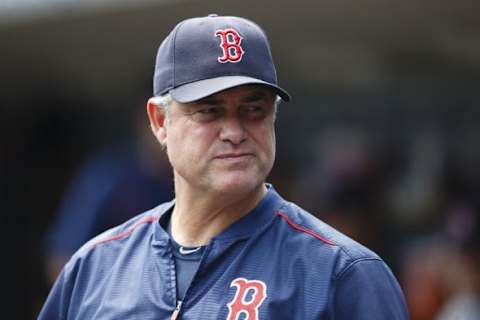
column 303, row 229
column 353, row 263
column 126, row 233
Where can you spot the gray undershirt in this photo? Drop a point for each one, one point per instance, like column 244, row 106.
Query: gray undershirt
column 187, row 260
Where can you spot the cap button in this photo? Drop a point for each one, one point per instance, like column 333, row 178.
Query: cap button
column 213, row 15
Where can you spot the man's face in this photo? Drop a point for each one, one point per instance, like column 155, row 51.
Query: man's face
column 225, row 142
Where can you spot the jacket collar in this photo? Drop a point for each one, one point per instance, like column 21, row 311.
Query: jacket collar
column 256, row 219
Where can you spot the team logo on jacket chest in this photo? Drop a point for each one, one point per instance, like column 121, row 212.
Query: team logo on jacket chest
column 249, row 296
column 230, row 42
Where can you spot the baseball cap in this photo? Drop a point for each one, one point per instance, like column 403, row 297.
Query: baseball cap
column 206, row 55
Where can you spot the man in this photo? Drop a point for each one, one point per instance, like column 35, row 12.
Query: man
column 228, row 246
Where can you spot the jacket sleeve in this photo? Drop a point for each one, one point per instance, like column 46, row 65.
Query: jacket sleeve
column 57, row 305
column 367, row 290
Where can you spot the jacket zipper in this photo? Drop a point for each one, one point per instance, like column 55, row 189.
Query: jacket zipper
column 176, row 311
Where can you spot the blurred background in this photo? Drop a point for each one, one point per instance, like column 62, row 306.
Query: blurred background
column 381, row 139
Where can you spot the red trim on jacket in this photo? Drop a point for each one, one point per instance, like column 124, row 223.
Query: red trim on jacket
column 302, row 229
column 128, row 232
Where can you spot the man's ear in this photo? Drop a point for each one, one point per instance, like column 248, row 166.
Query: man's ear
column 156, row 115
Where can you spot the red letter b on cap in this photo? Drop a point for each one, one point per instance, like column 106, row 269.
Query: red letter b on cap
column 230, row 44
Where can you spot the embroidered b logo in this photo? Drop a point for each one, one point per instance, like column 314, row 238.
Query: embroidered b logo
column 230, row 44
column 248, row 298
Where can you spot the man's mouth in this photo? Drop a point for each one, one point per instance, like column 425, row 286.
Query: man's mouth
column 234, row 155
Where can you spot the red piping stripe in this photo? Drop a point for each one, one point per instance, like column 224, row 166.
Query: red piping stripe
column 302, row 229
column 128, row 232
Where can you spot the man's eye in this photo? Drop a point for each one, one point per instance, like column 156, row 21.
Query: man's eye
column 254, row 112
column 208, row 110
column 206, row 114
column 255, row 109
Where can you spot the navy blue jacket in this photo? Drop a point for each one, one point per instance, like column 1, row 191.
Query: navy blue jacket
column 278, row 262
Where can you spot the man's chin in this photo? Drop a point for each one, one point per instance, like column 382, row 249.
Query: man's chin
column 237, row 185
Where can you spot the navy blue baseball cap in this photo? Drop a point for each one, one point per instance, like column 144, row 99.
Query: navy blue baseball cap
column 206, row 55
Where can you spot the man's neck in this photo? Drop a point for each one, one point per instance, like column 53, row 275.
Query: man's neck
column 196, row 220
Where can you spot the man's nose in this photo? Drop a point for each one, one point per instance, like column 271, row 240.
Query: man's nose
column 232, row 130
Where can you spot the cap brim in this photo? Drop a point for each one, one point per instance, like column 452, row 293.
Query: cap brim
column 200, row 89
